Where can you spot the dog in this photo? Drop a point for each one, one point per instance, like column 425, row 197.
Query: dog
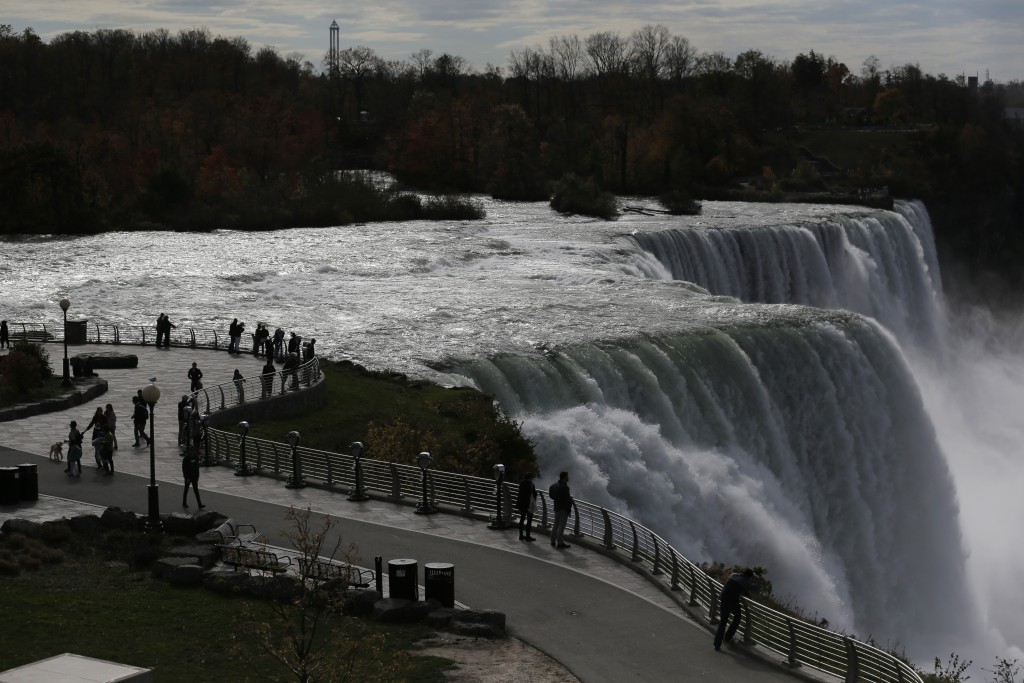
column 57, row 451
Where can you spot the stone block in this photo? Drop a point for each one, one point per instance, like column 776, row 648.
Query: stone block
column 163, row 567
column 206, row 554
column 227, row 582
column 180, row 524
column 85, row 523
column 116, row 518
column 390, row 609
column 359, row 602
column 440, row 618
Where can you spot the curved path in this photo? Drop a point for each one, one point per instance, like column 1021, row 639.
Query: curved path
column 596, row 617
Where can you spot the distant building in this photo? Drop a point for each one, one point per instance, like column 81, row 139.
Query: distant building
column 334, row 50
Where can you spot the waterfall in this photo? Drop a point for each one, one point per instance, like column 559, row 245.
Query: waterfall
column 802, row 447
column 882, row 264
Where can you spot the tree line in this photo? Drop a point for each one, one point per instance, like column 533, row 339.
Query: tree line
column 117, row 129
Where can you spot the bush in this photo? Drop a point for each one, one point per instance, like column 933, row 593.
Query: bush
column 680, row 203
column 55, row 533
column 25, row 368
column 574, row 195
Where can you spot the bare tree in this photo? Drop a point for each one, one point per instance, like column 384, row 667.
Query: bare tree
column 567, row 56
column 648, row 51
column 422, row 60
column 680, row 58
column 606, row 52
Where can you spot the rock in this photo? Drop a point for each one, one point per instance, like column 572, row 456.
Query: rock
column 227, row 582
column 186, row 575
column 475, row 630
column 206, row 554
column 165, row 565
column 389, row 609
column 483, row 623
column 116, row 518
column 21, row 526
column 180, row 524
column 278, row 587
column 209, row 519
column 440, row 618
column 84, row 523
column 359, row 602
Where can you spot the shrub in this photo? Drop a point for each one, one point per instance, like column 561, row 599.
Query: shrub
column 575, row 195
column 8, row 565
column 25, row 367
column 55, row 533
column 680, row 203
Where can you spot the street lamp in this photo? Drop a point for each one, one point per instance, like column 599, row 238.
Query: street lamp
column 499, row 520
column 151, row 394
column 295, row 482
column 359, row 493
column 425, row 506
column 242, row 470
column 65, row 304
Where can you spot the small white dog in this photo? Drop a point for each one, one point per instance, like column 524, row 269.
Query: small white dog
column 57, row 451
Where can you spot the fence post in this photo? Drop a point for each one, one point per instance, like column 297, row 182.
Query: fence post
column 576, row 525
column 192, row 337
column 675, row 571
column 543, row 510
column 791, row 659
column 396, row 484
column 657, row 555
column 852, row 667
column 241, row 470
column 223, row 405
column 468, row 506
column 608, row 540
column 747, row 625
column 636, row 542
column 692, row 602
column 713, row 606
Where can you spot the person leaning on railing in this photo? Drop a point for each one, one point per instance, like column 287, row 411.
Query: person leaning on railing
column 736, row 586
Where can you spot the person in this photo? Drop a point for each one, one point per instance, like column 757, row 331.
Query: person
column 239, row 385
column 526, row 503
column 183, row 420
column 107, row 450
column 139, row 417
column 190, row 470
column 237, row 339
column 279, row 343
column 736, row 586
column 267, row 378
column 74, row 438
column 96, row 425
column 257, row 339
column 159, row 330
column 291, row 368
column 5, row 335
column 111, row 420
column 233, row 335
column 309, row 349
column 168, row 326
column 194, row 375
column 293, row 344
column 561, row 500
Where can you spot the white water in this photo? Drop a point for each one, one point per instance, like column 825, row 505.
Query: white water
column 780, row 435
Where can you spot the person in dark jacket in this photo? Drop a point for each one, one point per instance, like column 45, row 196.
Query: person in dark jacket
column 5, row 335
column 194, row 375
column 140, row 415
column 561, row 500
column 526, row 503
column 736, row 586
column 267, row 378
column 190, row 470
column 184, row 403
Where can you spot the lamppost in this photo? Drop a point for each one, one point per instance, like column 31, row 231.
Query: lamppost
column 425, row 506
column 242, row 470
column 296, row 481
column 499, row 519
column 359, row 493
column 65, row 304
column 151, row 394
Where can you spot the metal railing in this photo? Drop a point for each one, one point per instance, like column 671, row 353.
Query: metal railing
column 260, row 387
column 138, row 335
column 799, row 642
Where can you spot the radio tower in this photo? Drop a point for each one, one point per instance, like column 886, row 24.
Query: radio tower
column 332, row 54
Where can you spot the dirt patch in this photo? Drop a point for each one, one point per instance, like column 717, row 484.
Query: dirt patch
column 508, row 660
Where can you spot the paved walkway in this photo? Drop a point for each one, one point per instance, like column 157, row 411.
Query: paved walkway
column 597, row 617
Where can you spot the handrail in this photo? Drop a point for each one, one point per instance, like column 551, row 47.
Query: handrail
column 800, row 642
column 138, row 335
column 233, row 393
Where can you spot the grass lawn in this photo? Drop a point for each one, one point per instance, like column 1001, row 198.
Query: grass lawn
column 89, row 605
column 396, row 418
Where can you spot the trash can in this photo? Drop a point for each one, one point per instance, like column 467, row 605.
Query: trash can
column 78, row 331
column 9, row 493
column 439, row 582
column 402, row 575
column 28, row 481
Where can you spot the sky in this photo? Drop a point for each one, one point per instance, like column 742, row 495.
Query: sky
column 969, row 37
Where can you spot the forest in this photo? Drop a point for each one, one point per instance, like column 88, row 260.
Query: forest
column 119, row 130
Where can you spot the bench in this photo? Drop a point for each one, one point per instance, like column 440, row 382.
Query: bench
column 322, row 569
column 253, row 558
column 231, row 532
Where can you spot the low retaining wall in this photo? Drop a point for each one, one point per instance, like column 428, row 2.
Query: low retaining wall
column 85, row 390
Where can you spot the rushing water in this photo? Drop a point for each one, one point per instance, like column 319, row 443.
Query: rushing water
column 762, row 384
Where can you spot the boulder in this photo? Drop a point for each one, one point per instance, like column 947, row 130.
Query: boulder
column 440, row 618
column 116, row 518
column 84, row 523
column 180, row 524
column 281, row 587
column 390, row 609
column 163, row 567
column 481, row 623
column 206, row 554
column 360, row 602
column 21, row 526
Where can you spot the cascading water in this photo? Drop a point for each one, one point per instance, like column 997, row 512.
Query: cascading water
column 787, row 432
